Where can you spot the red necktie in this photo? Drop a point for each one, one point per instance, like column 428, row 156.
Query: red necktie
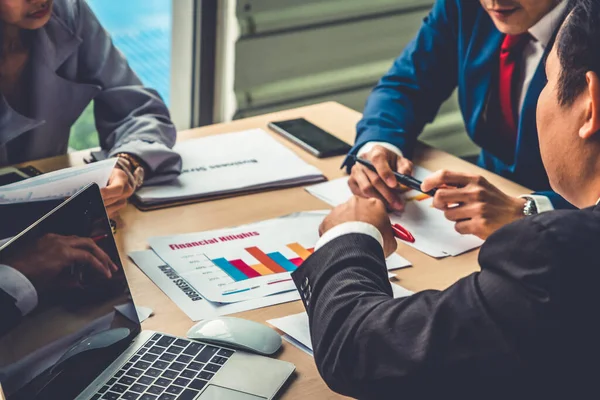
column 509, row 57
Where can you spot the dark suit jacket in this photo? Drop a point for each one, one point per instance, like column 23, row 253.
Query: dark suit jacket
column 526, row 326
column 457, row 46
column 9, row 313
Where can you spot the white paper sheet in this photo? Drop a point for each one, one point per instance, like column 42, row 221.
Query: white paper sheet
column 215, row 262
column 58, row 184
column 188, row 299
column 395, row 262
column 297, row 344
column 297, row 330
column 231, row 163
column 143, row 313
column 434, row 234
column 296, row 326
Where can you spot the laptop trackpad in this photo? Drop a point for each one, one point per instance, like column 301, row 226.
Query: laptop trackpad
column 213, row 392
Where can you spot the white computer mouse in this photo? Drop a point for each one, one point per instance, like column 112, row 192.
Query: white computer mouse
column 237, row 333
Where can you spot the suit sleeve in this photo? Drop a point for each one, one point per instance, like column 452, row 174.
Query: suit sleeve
column 483, row 328
column 411, row 93
column 130, row 118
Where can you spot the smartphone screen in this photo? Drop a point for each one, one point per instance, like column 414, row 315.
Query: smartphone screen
column 310, row 137
column 11, row 175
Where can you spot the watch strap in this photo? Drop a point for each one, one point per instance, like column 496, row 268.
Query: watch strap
column 126, row 166
column 133, row 161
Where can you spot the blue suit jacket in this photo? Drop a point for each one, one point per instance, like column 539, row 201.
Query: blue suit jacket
column 457, row 46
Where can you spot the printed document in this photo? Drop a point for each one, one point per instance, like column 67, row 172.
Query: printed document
column 434, row 234
column 188, row 299
column 231, row 163
column 58, row 184
column 253, row 260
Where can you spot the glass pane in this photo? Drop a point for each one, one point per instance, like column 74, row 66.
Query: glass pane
column 141, row 29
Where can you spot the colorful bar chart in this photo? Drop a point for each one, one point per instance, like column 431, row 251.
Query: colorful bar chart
column 235, row 274
column 282, row 261
column 269, row 263
column 245, row 269
column 265, row 260
column 300, row 250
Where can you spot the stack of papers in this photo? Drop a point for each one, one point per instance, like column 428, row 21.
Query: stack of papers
column 57, row 185
column 232, row 270
column 434, row 234
column 239, row 162
column 296, row 328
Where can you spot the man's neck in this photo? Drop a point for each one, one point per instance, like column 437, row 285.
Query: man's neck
column 590, row 195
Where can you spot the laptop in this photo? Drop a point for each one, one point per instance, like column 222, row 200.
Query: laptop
column 83, row 339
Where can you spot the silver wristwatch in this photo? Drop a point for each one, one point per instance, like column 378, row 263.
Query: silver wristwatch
column 530, row 207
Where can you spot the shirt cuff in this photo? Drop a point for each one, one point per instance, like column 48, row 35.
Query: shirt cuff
column 348, row 228
column 17, row 286
column 542, row 203
column 367, row 147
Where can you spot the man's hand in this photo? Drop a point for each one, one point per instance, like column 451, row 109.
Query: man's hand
column 381, row 185
column 50, row 255
column 370, row 211
column 477, row 206
column 116, row 193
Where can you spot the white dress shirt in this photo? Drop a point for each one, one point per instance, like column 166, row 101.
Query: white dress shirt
column 347, row 228
column 532, row 55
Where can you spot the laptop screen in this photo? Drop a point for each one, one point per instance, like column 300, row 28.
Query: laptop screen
column 65, row 306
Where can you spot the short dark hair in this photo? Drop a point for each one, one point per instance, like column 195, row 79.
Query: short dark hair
column 578, row 48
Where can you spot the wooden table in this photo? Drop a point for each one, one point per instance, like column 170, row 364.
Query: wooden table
column 135, row 227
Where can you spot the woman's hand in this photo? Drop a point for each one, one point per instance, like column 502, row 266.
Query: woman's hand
column 116, row 193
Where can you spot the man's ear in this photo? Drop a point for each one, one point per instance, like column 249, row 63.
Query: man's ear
column 591, row 124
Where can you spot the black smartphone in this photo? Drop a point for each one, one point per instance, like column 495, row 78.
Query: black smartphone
column 311, row 138
column 10, row 175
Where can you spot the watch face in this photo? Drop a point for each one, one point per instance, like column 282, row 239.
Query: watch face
column 530, row 207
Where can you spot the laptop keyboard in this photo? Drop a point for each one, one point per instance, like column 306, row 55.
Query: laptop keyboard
column 165, row 368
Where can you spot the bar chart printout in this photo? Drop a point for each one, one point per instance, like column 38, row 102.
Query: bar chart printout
column 267, row 263
column 239, row 264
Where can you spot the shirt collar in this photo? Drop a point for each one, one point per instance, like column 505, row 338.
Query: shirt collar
column 545, row 28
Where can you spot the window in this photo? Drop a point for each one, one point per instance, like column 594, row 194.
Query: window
column 143, row 31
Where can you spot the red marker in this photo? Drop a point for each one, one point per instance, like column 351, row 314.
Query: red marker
column 402, row 233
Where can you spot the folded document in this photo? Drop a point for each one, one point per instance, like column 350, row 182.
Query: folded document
column 220, row 165
column 235, row 269
column 58, row 184
column 434, row 234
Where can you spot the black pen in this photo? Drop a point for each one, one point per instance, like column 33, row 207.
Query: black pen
column 405, row 180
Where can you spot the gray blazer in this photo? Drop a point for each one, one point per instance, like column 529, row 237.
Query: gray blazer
column 73, row 62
